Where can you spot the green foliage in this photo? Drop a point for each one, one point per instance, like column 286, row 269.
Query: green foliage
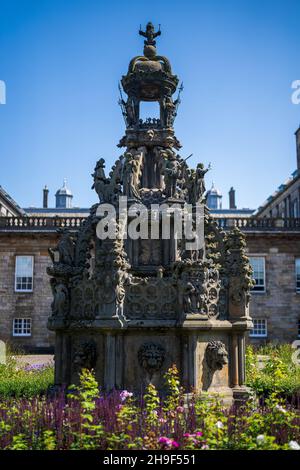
column 172, row 382
column 278, row 375
column 86, row 393
column 18, row 382
column 152, row 402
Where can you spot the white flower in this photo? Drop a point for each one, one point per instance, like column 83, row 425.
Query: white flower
column 260, row 439
column 293, row 445
column 280, row 408
column 219, row 425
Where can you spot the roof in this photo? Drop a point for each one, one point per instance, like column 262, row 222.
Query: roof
column 64, row 191
column 59, row 211
column 11, row 202
column 213, row 191
column 231, row 213
column 279, row 191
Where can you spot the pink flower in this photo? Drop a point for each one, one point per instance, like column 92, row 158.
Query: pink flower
column 180, row 409
column 199, row 434
column 125, row 394
column 167, row 442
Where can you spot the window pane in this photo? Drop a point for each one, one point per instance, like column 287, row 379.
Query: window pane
column 258, row 266
column 259, row 328
column 24, row 272
column 22, row 327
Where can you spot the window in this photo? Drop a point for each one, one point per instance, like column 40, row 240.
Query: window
column 22, row 327
column 259, row 328
column 297, row 265
column 295, row 209
column 24, row 273
column 258, row 266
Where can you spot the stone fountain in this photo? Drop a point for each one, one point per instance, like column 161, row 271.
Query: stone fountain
column 130, row 307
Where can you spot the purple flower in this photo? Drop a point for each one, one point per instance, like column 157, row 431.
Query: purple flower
column 34, row 367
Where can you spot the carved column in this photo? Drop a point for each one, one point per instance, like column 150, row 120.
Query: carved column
column 241, row 361
column 234, row 361
column 110, row 361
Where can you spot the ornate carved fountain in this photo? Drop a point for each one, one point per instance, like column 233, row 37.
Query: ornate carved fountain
column 130, row 308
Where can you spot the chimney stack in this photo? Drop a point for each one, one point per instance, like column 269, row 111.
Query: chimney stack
column 232, row 198
column 297, row 134
column 45, row 197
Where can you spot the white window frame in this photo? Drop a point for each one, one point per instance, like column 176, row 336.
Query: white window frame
column 24, row 290
column 259, row 335
column 257, row 291
column 23, row 321
column 297, row 274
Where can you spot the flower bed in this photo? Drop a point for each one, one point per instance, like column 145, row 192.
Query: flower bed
column 87, row 419
column 27, row 380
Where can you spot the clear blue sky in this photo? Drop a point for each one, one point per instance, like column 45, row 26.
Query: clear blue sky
column 62, row 59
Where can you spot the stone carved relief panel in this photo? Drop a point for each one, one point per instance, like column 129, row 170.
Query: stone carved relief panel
column 151, row 298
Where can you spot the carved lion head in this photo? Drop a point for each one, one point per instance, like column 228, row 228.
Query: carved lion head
column 151, row 357
column 85, row 355
column 216, row 355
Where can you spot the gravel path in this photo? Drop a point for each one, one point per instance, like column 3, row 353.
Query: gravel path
column 35, row 359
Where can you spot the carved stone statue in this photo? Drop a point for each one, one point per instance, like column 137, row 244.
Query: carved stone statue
column 60, row 304
column 187, row 294
column 131, row 176
column 107, row 189
column 172, row 173
column 149, row 34
column 100, row 181
column 64, row 251
column 168, row 111
column 196, row 185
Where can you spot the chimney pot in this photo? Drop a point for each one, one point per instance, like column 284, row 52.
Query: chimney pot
column 232, row 198
column 45, row 197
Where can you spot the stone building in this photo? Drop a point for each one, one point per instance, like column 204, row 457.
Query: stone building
column 25, row 293
column 285, row 201
column 9, row 207
column 275, row 305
